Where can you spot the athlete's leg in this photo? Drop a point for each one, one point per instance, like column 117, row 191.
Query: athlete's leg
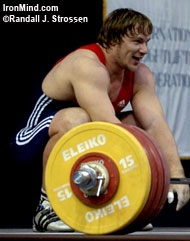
column 128, row 118
column 63, row 121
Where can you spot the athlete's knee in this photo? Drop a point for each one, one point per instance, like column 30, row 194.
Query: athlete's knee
column 66, row 119
column 129, row 118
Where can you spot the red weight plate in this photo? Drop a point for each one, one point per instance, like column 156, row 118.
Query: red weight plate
column 156, row 189
column 164, row 170
column 157, row 177
column 159, row 180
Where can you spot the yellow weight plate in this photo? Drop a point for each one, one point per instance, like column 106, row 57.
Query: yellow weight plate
column 135, row 178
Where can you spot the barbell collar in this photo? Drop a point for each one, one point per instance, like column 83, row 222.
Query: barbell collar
column 85, row 178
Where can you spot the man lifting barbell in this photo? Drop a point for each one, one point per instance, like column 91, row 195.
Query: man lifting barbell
column 94, row 83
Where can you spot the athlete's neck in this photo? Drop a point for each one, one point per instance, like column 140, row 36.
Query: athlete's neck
column 116, row 72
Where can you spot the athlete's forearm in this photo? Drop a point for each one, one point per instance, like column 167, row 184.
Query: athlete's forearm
column 161, row 132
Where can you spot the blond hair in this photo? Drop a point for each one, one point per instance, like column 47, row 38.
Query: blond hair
column 123, row 22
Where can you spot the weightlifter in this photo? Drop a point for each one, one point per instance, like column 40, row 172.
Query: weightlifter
column 94, row 83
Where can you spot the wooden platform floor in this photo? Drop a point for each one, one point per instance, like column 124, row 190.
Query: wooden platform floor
column 155, row 234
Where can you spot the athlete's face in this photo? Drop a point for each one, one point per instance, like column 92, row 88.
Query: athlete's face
column 131, row 51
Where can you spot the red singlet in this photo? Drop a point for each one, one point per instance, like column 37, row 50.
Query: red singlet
column 126, row 90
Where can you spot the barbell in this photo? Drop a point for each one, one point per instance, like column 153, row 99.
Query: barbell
column 103, row 177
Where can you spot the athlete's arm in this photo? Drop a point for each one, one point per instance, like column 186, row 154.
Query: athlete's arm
column 149, row 113
column 90, row 83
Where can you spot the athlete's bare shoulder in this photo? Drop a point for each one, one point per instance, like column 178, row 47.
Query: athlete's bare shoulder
column 82, row 58
column 79, row 67
column 84, row 63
